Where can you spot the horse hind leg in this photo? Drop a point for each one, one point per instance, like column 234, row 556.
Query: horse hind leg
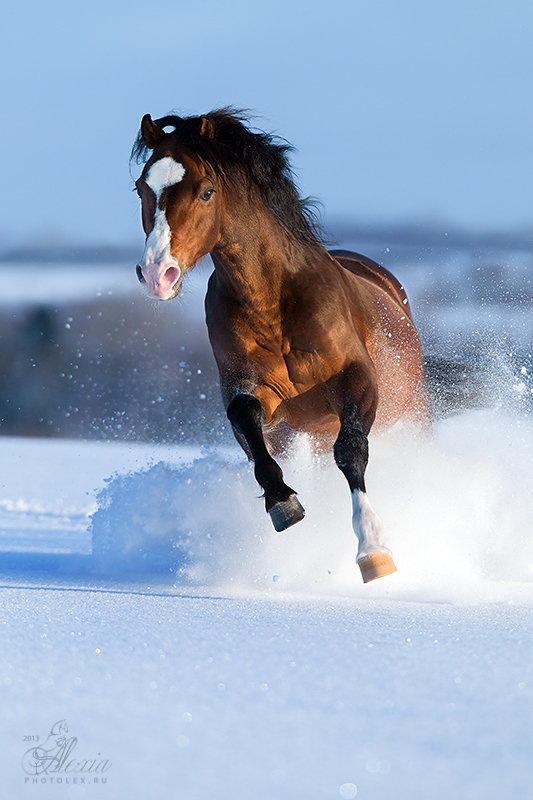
column 351, row 456
column 246, row 416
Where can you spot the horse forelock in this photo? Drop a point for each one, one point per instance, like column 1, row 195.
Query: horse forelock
column 236, row 155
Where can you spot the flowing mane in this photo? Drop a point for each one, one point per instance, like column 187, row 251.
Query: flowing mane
column 235, row 152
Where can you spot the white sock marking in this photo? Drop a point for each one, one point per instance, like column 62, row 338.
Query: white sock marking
column 367, row 526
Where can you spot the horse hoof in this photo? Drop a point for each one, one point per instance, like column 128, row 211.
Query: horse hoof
column 376, row 565
column 286, row 513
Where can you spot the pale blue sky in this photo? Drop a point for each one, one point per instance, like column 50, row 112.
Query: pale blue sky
column 400, row 111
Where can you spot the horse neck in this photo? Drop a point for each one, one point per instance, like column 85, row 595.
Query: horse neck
column 255, row 255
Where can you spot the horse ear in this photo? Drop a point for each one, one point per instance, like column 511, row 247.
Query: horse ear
column 207, row 127
column 151, row 133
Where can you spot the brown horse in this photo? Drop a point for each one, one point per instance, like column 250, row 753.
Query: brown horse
column 304, row 339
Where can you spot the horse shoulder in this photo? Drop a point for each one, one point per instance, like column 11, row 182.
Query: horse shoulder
column 247, row 350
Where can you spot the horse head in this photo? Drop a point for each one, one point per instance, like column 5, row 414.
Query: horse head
column 181, row 202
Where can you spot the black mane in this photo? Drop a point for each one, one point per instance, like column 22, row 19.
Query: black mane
column 236, row 152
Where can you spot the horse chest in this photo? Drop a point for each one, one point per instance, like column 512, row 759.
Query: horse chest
column 301, row 354
column 290, row 367
column 306, row 368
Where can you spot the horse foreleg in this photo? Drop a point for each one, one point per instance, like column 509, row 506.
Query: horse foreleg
column 245, row 413
column 351, row 456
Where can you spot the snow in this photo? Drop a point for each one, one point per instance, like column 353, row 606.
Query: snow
column 202, row 696
column 203, row 655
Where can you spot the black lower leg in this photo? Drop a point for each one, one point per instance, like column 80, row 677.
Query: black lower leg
column 351, row 450
column 246, row 416
column 351, row 455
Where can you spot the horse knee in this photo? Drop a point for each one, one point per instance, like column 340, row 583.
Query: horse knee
column 244, row 411
column 351, row 453
column 350, row 446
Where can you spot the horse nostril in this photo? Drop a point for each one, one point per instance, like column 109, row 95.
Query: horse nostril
column 172, row 275
column 140, row 275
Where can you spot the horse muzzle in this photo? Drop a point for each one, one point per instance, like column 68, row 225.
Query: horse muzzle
column 162, row 281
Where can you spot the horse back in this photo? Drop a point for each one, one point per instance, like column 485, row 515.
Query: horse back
column 365, row 267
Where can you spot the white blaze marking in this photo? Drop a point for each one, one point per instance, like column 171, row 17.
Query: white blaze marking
column 157, row 246
column 367, row 526
column 164, row 173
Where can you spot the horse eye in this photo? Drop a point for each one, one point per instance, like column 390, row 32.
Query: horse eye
column 206, row 195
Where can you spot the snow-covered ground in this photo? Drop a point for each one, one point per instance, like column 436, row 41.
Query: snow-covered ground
column 147, row 601
column 161, row 640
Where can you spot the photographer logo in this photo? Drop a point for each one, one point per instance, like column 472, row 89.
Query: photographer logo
column 58, row 761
